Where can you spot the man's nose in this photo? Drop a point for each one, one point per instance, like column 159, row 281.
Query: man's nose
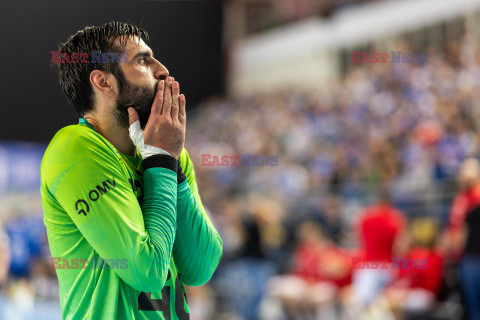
column 161, row 72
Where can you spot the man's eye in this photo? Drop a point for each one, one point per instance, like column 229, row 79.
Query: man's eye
column 143, row 60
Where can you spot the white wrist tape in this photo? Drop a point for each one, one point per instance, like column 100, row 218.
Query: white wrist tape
column 136, row 134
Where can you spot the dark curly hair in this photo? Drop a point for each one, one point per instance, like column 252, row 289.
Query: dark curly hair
column 74, row 77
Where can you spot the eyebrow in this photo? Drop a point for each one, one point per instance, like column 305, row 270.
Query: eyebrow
column 144, row 53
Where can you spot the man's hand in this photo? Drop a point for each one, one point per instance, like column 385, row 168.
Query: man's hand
column 165, row 129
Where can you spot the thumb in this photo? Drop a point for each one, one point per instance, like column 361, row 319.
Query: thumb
column 132, row 115
column 134, row 131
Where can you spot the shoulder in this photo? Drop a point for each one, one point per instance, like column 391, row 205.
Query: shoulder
column 398, row 214
column 76, row 145
column 74, row 139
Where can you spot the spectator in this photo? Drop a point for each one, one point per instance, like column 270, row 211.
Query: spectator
column 414, row 294
column 380, row 230
column 319, row 274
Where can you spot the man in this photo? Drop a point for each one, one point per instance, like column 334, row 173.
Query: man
column 380, row 229
column 461, row 239
column 467, row 199
column 125, row 222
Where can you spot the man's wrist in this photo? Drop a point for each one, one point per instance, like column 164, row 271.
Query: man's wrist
column 136, row 134
column 160, row 161
column 148, row 151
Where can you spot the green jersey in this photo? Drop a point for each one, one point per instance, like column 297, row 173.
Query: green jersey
column 123, row 240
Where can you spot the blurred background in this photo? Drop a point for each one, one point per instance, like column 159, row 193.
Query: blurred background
column 376, row 161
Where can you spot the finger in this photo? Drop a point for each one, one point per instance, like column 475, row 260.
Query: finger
column 158, row 101
column 132, row 115
column 182, row 113
column 175, row 102
column 167, row 98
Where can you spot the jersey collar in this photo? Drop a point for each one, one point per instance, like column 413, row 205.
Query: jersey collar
column 83, row 121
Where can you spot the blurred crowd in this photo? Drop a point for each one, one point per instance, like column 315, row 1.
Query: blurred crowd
column 368, row 212
column 367, row 171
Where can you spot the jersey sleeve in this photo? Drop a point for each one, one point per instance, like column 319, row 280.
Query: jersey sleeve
column 458, row 212
column 87, row 180
column 198, row 247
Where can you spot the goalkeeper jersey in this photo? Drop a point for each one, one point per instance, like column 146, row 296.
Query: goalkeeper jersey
column 123, row 240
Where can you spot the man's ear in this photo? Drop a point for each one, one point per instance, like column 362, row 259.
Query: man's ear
column 104, row 82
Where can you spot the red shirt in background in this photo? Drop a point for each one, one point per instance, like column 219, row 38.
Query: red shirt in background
column 377, row 228
column 462, row 204
column 429, row 278
column 315, row 263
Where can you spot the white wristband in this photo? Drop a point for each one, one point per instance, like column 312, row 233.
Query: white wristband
column 136, row 134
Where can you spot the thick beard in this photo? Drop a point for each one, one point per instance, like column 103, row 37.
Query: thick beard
column 139, row 97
